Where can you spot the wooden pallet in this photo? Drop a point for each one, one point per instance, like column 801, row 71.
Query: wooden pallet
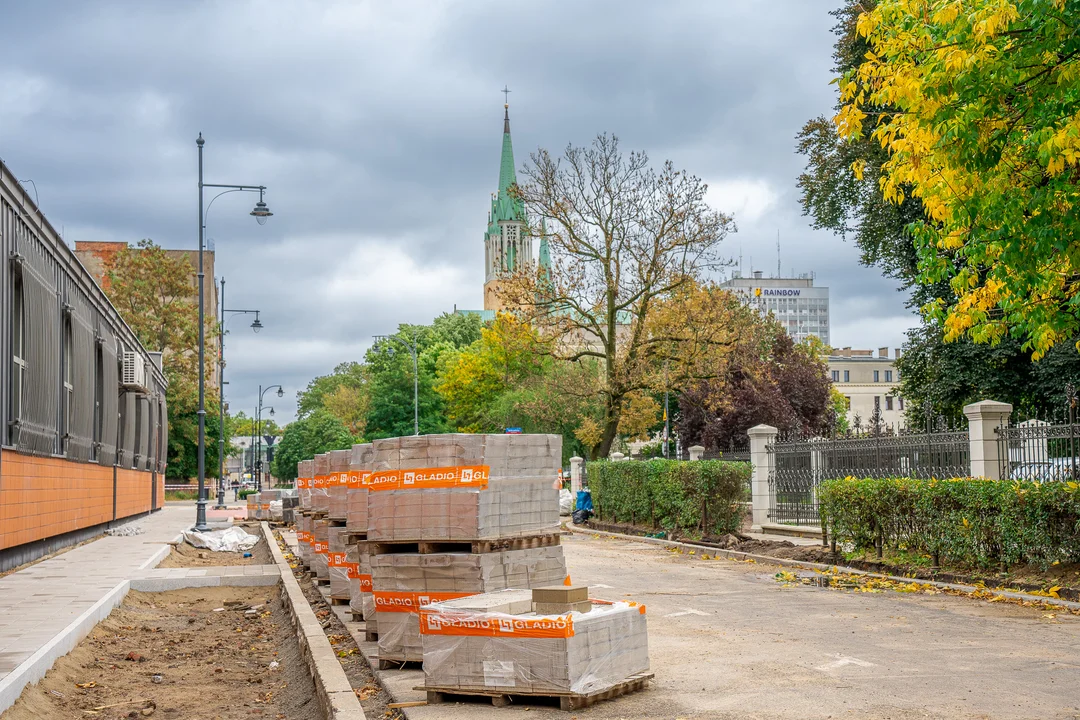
column 427, row 547
column 339, row 600
column 399, row 662
column 355, row 536
column 567, row 700
column 335, row 522
column 320, row 581
column 371, row 636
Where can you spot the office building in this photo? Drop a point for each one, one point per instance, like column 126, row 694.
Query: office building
column 800, row 307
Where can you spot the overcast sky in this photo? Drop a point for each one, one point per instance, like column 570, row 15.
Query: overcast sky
column 377, row 128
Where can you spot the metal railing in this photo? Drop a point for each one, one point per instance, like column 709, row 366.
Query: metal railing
column 800, row 464
column 1046, row 449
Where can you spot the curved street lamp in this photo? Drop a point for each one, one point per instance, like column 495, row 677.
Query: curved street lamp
column 257, row 457
column 261, row 213
column 255, row 326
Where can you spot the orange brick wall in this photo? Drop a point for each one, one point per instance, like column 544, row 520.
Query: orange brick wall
column 41, row 497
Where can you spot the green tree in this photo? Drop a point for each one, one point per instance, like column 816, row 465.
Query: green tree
column 305, row 438
column 156, row 297
column 390, row 373
column 344, row 393
column 947, row 374
column 985, row 131
column 240, row 425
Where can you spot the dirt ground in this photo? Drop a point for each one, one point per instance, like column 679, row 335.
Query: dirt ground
column 175, row 656
column 373, row 698
column 1065, row 579
column 184, row 555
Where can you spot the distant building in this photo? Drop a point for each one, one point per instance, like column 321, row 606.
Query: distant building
column 98, row 257
column 801, row 308
column 868, row 383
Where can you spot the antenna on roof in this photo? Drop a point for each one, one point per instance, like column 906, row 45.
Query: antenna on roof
column 778, row 273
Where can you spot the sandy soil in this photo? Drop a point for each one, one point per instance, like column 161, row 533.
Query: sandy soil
column 373, row 698
column 184, row 555
column 170, row 655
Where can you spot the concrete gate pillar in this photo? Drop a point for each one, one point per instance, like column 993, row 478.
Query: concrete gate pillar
column 575, row 475
column 696, row 452
column 984, row 418
column 762, row 461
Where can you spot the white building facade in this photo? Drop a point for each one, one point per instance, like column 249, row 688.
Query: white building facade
column 869, row 384
column 800, row 307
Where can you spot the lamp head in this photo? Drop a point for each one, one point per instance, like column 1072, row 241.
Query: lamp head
column 261, row 213
column 257, row 325
column 271, row 412
column 280, row 392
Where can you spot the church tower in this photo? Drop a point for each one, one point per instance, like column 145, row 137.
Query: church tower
column 507, row 244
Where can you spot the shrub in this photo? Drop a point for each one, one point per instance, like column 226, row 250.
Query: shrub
column 242, row 494
column 963, row 521
column 699, row 496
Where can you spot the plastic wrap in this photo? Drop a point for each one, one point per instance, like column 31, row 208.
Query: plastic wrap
column 304, row 539
column 464, row 487
column 321, row 548
column 337, row 563
column 337, row 485
column 357, row 498
column 492, row 642
column 304, row 482
column 320, row 498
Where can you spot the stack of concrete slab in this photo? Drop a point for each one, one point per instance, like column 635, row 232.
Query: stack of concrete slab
column 338, row 563
column 337, row 485
column 305, row 522
column 506, row 487
column 359, row 567
column 267, row 498
column 320, row 498
column 454, row 515
column 320, row 546
column 253, row 506
column 290, row 502
column 496, row 642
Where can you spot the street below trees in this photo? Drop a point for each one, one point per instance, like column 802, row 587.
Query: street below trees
column 726, row 639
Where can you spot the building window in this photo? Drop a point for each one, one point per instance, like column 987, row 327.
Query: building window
column 847, row 376
column 836, row 376
column 99, row 401
column 877, row 402
column 888, row 402
column 68, row 412
column 901, row 403
column 877, row 376
column 888, row 376
column 18, row 353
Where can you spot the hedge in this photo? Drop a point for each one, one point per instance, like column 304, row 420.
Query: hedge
column 699, row 496
column 963, row 521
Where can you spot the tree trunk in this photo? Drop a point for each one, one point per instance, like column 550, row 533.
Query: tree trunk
column 611, row 427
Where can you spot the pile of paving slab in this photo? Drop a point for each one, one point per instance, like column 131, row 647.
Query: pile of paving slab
column 448, row 548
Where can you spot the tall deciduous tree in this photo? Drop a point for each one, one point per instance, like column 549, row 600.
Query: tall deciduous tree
column 303, row 439
column 622, row 237
column 985, row 132
column 345, row 393
column 156, row 297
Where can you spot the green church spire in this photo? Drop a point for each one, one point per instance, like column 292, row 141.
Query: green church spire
column 504, row 206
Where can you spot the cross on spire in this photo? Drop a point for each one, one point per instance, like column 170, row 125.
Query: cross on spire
column 506, row 94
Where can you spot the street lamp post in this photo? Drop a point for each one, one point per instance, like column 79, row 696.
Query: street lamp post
column 256, row 326
column 413, row 348
column 261, row 213
column 258, row 438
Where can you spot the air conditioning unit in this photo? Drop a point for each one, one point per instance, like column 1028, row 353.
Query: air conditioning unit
column 134, row 371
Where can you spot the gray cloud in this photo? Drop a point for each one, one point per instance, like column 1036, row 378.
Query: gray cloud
column 376, row 128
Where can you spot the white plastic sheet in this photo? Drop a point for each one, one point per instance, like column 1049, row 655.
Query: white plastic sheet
column 566, row 502
column 232, row 539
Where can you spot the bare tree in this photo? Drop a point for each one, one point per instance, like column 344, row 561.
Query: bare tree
column 624, row 239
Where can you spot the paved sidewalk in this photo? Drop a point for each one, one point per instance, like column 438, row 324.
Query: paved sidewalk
column 40, row 601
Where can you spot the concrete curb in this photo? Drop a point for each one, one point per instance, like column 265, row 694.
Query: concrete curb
column 784, row 562
column 336, row 695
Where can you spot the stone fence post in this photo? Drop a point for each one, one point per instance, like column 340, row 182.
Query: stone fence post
column 762, row 462
column 984, row 418
column 696, row 452
column 617, row 457
column 575, row 475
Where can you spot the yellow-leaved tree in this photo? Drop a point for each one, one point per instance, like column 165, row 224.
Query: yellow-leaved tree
column 977, row 103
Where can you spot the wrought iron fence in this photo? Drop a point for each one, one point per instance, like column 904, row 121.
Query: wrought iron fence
column 1045, row 449
column 800, row 464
